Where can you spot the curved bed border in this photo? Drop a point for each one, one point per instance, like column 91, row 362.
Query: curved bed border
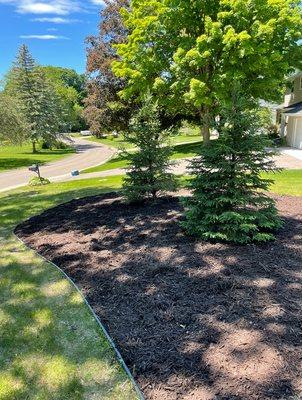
column 103, row 329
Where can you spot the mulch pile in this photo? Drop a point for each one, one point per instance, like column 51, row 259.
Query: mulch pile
column 193, row 320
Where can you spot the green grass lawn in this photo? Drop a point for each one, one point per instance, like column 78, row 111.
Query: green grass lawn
column 180, row 151
column 119, row 161
column 287, row 182
column 185, row 150
column 117, row 143
column 51, row 346
column 12, row 157
column 186, row 138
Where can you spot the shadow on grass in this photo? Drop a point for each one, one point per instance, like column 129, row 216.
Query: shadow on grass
column 51, row 346
column 187, row 149
column 13, row 163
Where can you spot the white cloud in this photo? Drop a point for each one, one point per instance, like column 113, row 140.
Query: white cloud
column 56, row 20
column 98, row 2
column 61, row 7
column 43, row 37
column 57, row 7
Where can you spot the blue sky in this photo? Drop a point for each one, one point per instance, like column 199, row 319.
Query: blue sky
column 54, row 30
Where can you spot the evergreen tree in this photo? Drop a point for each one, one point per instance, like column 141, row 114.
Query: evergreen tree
column 229, row 202
column 149, row 166
column 13, row 126
column 39, row 103
column 51, row 118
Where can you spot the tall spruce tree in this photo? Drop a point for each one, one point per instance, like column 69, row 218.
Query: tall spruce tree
column 38, row 101
column 149, row 172
column 229, row 202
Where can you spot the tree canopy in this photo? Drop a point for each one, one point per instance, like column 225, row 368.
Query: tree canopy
column 70, row 87
column 104, row 109
column 189, row 52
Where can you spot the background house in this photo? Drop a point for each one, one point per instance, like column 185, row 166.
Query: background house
column 291, row 113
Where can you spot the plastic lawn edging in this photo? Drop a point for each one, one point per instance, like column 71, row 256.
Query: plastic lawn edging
column 103, row 329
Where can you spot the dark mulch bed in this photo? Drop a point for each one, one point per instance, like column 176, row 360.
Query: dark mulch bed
column 192, row 320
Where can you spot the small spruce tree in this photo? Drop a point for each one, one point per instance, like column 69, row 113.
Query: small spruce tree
column 229, row 201
column 148, row 174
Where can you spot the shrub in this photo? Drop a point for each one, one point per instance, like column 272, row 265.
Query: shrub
column 46, row 145
column 36, row 181
column 61, row 145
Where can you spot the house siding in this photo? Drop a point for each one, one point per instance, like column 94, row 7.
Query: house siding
column 294, row 96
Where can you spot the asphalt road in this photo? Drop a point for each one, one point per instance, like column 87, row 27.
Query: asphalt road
column 88, row 154
column 286, row 159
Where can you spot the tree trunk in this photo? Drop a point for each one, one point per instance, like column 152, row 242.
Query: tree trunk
column 34, row 147
column 205, row 131
column 205, row 128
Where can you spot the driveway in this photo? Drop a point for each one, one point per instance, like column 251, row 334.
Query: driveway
column 289, row 158
column 88, row 154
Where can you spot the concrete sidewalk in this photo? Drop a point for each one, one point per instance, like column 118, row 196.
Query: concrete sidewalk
column 289, row 158
column 88, row 154
column 295, row 153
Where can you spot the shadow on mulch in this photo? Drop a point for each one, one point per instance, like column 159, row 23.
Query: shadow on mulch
column 193, row 320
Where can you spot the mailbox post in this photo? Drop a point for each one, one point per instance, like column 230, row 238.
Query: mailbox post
column 35, row 168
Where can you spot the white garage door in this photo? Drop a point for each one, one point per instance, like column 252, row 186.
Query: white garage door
column 294, row 132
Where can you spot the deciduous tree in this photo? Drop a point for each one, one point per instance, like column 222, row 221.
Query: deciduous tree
column 189, row 52
column 104, row 110
column 71, row 92
column 13, row 126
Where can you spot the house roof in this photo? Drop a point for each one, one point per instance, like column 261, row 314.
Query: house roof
column 293, row 110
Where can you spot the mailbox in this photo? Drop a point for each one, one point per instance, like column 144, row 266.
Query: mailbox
column 34, row 168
